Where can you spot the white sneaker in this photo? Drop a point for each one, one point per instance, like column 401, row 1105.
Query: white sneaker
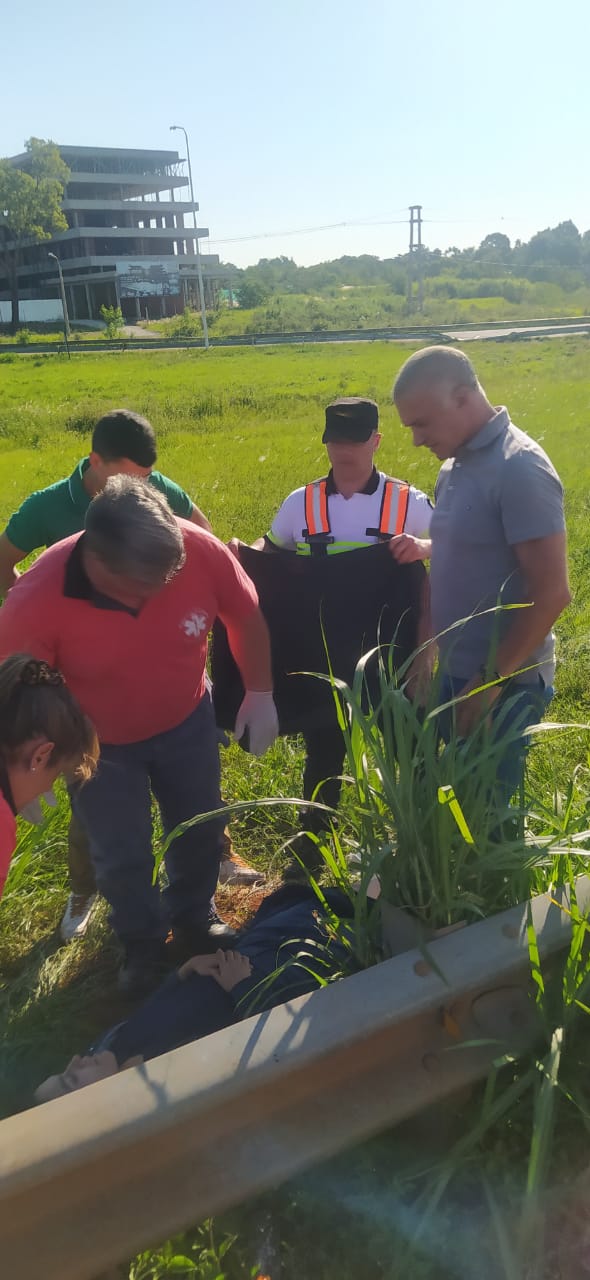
column 76, row 916
column 232, row 871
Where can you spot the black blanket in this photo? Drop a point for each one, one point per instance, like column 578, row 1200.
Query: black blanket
column 340, row 605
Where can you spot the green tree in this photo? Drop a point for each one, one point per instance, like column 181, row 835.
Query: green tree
column 30, row 207
column 495, row 250
column 251, row 293
column 586, row 254
column 559, row 246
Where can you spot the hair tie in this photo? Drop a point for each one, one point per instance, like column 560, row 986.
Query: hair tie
column 36, row 673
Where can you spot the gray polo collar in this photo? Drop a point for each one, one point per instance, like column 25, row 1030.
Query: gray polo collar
column 494, row 427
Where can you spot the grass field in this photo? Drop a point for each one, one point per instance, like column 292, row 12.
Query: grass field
column 239, row 429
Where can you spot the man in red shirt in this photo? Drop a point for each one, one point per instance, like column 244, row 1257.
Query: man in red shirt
column 123, row 443
column 124, row 610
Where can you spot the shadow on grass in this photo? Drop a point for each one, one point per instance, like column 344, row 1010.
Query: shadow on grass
column 54, row 1000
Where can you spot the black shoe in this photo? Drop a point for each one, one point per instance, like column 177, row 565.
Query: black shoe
column 199, row 939
column 305, row 855
column 145, row 965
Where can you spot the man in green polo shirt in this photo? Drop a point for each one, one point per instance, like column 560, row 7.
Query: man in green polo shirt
column 123, row 443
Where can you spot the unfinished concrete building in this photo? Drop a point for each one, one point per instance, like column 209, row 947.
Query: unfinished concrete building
column 131, row 241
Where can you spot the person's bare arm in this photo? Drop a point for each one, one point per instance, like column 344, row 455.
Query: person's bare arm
column 197, row 517
column 543, row 564
column 9, row 557
column 250, row 644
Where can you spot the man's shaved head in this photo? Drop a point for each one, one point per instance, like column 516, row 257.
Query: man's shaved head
column 438, row 396
column 434, row 367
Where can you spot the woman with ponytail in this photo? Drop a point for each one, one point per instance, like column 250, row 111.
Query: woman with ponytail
column 43, row 733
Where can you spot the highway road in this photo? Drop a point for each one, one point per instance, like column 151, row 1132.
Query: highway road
column 548, row 331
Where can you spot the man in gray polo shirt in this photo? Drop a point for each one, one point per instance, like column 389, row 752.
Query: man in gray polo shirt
column 498, row 537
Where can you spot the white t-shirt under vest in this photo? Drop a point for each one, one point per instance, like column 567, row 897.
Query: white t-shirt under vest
column 353, row 522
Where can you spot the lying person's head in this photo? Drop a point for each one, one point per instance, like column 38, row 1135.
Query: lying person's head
column 133, row 543
column 43, row 731
column 227, row 968
column 82, row 1070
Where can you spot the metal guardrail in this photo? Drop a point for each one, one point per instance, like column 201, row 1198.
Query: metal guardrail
column 94, row 1177
column 238, row 340
column 442, row 334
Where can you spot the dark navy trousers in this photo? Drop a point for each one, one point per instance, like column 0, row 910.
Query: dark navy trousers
column 290, row 951
column 180, row 768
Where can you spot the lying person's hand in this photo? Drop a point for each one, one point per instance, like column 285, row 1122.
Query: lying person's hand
column 206, row 966
column 233, row 968
column 406, row 549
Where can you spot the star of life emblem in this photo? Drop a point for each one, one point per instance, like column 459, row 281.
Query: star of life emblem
column 195, row 624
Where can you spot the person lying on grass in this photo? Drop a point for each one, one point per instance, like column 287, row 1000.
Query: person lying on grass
column 43, row 733
column 292, row 946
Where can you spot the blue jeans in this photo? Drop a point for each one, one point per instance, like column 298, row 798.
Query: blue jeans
column 181, row 769
column 524, row 705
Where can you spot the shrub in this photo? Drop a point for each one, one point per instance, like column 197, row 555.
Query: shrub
column 114, row 321
column 188, row 325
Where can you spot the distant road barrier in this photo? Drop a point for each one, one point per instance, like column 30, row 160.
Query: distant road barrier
column 442, row 334
column 238, row 340
column 92, row 1178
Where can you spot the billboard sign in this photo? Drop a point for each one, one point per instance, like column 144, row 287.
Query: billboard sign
column 147, row 279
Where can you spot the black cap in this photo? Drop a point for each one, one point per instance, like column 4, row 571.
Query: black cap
column 351, row 418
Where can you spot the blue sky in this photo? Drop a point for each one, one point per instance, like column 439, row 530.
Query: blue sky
column 320, row 112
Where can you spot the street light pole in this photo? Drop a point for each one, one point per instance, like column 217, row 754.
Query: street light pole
column 64, row 304
column 199, row 267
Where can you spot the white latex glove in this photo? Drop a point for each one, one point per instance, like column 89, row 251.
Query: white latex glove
column 258, row 717
column 32, row 812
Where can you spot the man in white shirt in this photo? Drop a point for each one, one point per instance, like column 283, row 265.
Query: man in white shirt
column 354, row 506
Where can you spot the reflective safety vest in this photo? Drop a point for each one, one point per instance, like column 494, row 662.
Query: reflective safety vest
column 317, row 537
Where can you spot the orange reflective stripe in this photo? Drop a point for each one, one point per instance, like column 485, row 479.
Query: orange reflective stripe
column 386, row 506
column 309, row 521
column 316, row 508
column 401, row 492
column 403, row 498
